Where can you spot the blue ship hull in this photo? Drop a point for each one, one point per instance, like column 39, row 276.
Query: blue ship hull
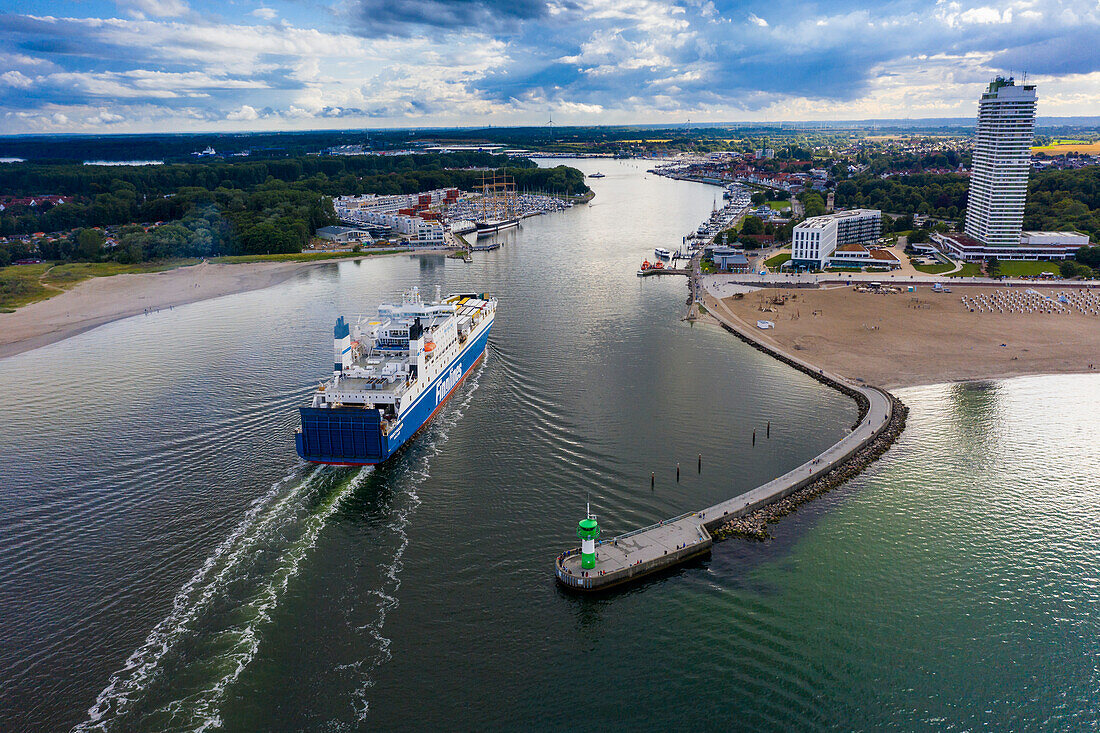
column 351, row 436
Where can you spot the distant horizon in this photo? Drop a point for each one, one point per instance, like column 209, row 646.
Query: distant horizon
column 1082, row 121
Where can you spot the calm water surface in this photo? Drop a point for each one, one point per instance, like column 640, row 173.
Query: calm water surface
column 167, row 563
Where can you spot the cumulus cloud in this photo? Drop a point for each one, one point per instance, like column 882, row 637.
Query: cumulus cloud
column 155, row 8
column 16, row 79
column 244, row 113
column 104, row 117
column 480, row 61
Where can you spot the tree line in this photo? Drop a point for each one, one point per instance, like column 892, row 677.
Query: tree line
column 106, row 195
column 218, row 208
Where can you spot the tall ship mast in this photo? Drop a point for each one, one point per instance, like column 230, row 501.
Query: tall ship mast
column 499, row 206
column 391, row 373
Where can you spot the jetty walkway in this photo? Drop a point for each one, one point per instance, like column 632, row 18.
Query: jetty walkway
column 648, row 550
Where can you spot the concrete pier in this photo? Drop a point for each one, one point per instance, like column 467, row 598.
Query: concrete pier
column 635, row 554
column 650, row 549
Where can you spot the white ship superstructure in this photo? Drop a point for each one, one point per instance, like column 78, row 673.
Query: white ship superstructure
column 390, row 373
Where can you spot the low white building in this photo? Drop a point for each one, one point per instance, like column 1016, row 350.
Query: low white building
column 815, row 240
column 345, row 235
column 1060, row 239
column 1033, row 246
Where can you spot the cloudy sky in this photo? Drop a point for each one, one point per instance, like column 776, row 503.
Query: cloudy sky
column 183, row 65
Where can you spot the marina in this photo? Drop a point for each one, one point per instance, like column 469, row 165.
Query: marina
column 498, row 207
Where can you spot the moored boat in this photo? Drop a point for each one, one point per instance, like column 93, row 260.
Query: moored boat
column 492, row 226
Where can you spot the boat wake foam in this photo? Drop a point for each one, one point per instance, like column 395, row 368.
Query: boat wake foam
column 433, row 440
column 178, row 677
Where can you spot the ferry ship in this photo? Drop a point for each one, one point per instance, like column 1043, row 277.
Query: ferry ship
column 662, row 252
column 391, row 374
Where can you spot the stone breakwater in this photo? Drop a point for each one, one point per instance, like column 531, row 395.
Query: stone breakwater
column 862, row 403
column 754, row 525
column 640, row 553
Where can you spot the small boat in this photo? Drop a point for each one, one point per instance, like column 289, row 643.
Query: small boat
column 597, row 174
column 658, row 265
column 646, row 265
column 662, row 252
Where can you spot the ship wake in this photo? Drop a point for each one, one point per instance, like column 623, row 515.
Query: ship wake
column 386, row 595
column 178, row 677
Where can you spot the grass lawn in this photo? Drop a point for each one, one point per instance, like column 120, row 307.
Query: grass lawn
column 24, row 284
column 70, row 273
column 778, row 260
column 20, row 285
column 969, row 269
column 779, row 205
column 937, row 269
column 1020, row 269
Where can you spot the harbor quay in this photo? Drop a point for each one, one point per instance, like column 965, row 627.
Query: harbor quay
column 602, row 564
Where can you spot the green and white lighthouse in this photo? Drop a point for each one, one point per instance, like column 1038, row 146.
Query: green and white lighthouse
column 588, row 531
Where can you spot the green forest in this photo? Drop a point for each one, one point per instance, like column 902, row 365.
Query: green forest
column 248, row 207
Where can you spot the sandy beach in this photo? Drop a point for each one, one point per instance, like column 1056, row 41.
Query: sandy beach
column 101, row 300
column 905, row 339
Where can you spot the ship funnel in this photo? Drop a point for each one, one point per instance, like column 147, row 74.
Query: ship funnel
column 341, row 346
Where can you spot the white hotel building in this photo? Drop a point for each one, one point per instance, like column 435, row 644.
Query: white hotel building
column 816, row 240
column 1002, row 159
column 998, row 184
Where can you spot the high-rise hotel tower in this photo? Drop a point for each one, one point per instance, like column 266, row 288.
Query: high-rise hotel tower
column 1002, row 158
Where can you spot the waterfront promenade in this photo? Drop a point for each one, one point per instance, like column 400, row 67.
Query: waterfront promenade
column 720, row 285
column 651, row 549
